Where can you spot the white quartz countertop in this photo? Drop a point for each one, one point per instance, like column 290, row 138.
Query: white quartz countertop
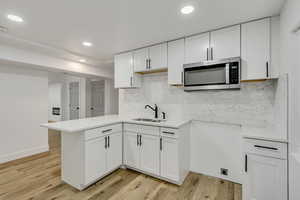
column 96, row 122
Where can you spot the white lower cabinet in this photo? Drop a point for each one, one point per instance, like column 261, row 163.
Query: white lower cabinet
column 266, row 171
column 149, row 157
column 114, row 151
column 95, row 159
column 131, row 149
column 169, row 158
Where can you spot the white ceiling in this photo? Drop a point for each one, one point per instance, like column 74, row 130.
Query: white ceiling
column 118, row 25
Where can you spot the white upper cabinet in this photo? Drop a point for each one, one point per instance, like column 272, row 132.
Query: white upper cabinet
column 256, row 50
column 158, row 57
column 175, row 62
column 124, row 75
column 225, row 43
column 197, row 48
column 152, row 58
column 140, row 59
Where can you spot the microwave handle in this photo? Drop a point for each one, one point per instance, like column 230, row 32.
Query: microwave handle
column 227, row 73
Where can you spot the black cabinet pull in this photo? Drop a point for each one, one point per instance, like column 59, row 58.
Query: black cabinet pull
column 137, row 140
column 107, row 130
column 160, row 144
column 105, row 146
column 108, row 141
column 246, row 163
column 265, row 147
column 167, row 132
column 140, row 140
column 267, row 69
column 149, row 63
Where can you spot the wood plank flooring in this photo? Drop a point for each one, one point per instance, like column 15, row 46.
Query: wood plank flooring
column 38, row 178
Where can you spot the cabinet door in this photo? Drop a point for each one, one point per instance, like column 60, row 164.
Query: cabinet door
column 196, row 48
column 150, row 154
column 266, row 178
column 123, row 71
column 226, row 43
column 158, row 56
column 131, row 150
column 95, row 159
column 256, row 50
column 140, row 58
column 169, row 159
column 114, row 151
column 175, row 62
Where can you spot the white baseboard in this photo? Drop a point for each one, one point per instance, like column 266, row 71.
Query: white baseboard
column 22, row 154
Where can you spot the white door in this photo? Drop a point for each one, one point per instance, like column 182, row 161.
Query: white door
column 114, row 151
column 175, row 62
column 169, row 159
column 197, row 48
column 97, row 98
column 226, row 43
column 74, row 100
column 266, row 178
column 149, row 158
column 140, row 59
column 256, row 50
column 95, row 159
column 131, row 150
column 158, row 56
column 123, row 70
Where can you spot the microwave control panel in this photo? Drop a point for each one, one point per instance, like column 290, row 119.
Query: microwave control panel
column 234, row 73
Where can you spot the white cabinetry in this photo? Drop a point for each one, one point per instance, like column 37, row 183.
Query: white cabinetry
column 175, row 62
column 197, row 48
column 161, row 152
column 266, row 170
column 124, row 73
column 169, row 158
column 90, row 155
column 152, row 58
column 256, row 50
column 225, row 43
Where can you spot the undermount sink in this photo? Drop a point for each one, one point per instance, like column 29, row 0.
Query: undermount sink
column 149, row 120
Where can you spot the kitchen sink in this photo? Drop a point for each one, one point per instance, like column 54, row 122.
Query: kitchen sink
column 149, row 120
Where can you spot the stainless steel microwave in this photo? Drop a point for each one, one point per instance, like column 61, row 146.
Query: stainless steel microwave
column 213, row 75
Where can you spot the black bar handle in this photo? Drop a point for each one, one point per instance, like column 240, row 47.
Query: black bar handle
column 267, row 69
column 167, row 132
column 108, row 141
column 264, row 147
column 105, row 146
column 137, row 140
column 246, row 163
column 107, row 130
column 160, row 144
column 140, row 140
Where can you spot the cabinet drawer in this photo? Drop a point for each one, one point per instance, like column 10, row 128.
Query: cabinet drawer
column 150, row 130
column 169, row 132
column 97, row 132
column 266, row 148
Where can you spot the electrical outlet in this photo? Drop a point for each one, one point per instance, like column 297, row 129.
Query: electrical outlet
column 224, row 172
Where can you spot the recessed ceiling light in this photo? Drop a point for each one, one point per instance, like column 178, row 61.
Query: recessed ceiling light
column 82, row 60
column 187, row 10
column 15, row 18
column 87, row 44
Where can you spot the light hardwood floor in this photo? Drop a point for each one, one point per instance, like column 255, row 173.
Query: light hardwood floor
column 38, row 177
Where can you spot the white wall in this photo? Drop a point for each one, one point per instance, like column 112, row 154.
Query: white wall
column 290, row 63
column 255, row 105
column 23, row 104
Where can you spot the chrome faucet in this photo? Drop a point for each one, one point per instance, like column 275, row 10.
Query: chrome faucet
column 155, row 109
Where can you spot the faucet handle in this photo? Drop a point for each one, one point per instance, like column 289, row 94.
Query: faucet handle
column 164, row 115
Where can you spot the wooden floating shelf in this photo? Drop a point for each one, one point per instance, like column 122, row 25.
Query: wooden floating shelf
column 258, row 80
column 153, row 71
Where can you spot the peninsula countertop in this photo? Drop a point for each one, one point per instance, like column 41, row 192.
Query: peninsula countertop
column 96, row 122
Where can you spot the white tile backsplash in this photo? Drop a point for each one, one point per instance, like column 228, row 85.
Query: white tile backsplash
column 252, row 105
